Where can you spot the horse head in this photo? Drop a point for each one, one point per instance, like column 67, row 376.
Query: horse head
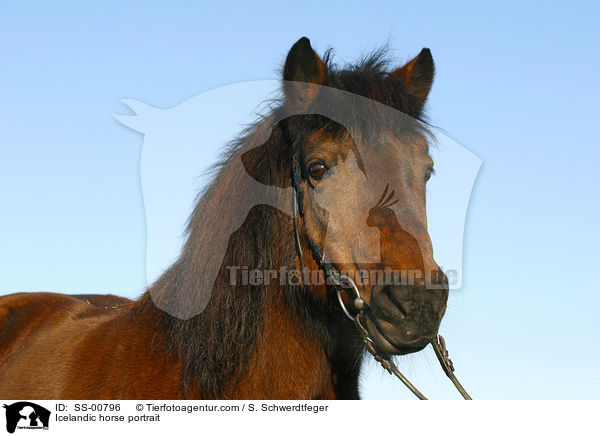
column 363, row 170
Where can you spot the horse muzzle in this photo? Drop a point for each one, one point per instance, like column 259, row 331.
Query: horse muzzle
column 404, row 319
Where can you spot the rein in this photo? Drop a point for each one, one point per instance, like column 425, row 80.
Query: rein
column 360, row 305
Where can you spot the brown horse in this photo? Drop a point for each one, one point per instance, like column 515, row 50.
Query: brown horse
column 264, row 339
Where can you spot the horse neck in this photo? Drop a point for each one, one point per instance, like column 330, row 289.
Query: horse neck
column 270, row 340
column 304, row 347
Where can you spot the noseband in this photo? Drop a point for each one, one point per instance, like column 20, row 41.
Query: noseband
column 342, row 282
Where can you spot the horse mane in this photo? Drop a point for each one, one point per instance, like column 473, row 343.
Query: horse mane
column 215, row 345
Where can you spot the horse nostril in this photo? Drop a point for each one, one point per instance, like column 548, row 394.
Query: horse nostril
column 401, row 297
column 395, row 303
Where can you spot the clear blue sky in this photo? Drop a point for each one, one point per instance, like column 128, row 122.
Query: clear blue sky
column 517, row 83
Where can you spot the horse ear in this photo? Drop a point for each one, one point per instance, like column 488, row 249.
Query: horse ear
column 417, row 75
column 303, row 69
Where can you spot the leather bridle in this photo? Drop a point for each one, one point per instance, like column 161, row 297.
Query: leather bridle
column 342, row 282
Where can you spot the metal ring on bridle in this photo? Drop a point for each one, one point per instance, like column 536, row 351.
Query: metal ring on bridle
column 359, row 303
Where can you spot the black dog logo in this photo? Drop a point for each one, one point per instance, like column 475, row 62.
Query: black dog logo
column 26, row 415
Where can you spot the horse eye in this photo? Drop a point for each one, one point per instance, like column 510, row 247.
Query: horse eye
column 428, row 174
column 317, row 170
